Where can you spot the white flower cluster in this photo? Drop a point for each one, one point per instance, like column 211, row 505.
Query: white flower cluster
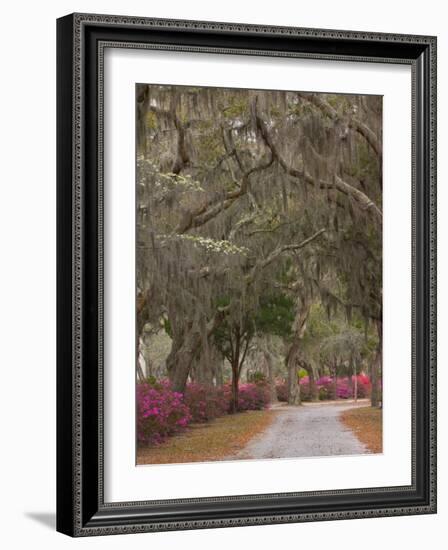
column 210, row 245
column 164, row 181
column 187, row 182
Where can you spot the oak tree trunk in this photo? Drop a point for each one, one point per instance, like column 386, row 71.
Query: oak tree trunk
column 302, row 312
column 313, row 387
column 294, row 397
column 355, row 379
column 180, row 359
column 375, row 371
column 271, row 376
column 235, row 386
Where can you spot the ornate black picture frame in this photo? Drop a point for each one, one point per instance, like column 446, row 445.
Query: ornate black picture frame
column 81, row 509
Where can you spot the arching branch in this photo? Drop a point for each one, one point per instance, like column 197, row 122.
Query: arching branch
column 262, row 264
column 218, row 203
column 353, row 123
column 289, row 248
column 360, row 198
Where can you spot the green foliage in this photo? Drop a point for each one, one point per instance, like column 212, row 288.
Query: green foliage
column 342, row 346
column 342, row 104
column 152, row 381
column 257, row 377
column 275, row 315
column 275, row 112
column 167, row 327
column 337, row 339
column 237, row 107
column 299, row 110
column 221, row 302
column 318, row 325
column 151, row 120
column 210, row 147
column 231, row 336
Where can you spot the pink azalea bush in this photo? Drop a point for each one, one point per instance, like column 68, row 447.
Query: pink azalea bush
column 364, row 385
column 345, row 387
column 305, row 388
column 206, row 402
column 282, row 391
column 253, row 396
column 161, row 412
column 325, row 388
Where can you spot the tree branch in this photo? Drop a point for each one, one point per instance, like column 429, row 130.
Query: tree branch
column 363, row 201
column 290, row 247
column 353, row 123
column 243, row 357
column 278, row 251
column 182, row 158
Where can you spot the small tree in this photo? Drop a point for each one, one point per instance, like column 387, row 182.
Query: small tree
column 273, row 314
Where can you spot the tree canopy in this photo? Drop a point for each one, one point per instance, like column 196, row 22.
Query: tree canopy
column 253, row 208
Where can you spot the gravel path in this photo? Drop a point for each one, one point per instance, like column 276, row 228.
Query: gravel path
column 309, row 430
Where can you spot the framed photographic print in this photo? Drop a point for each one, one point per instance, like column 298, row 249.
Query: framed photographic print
column 246, row 274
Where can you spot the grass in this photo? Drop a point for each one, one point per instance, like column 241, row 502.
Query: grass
column 366, row 423
column 207, row 442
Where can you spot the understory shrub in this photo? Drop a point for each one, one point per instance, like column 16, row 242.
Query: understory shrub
column 345, row 387
column 364, row 386
column 161, row 412
column 206, row 402
column 305, row 388
column 326, row 390
column 253, row 396
column 282, row 391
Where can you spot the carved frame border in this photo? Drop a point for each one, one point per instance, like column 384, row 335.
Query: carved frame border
column 83, row 512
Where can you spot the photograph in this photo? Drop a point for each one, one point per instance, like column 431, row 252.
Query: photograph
column 259, row 274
